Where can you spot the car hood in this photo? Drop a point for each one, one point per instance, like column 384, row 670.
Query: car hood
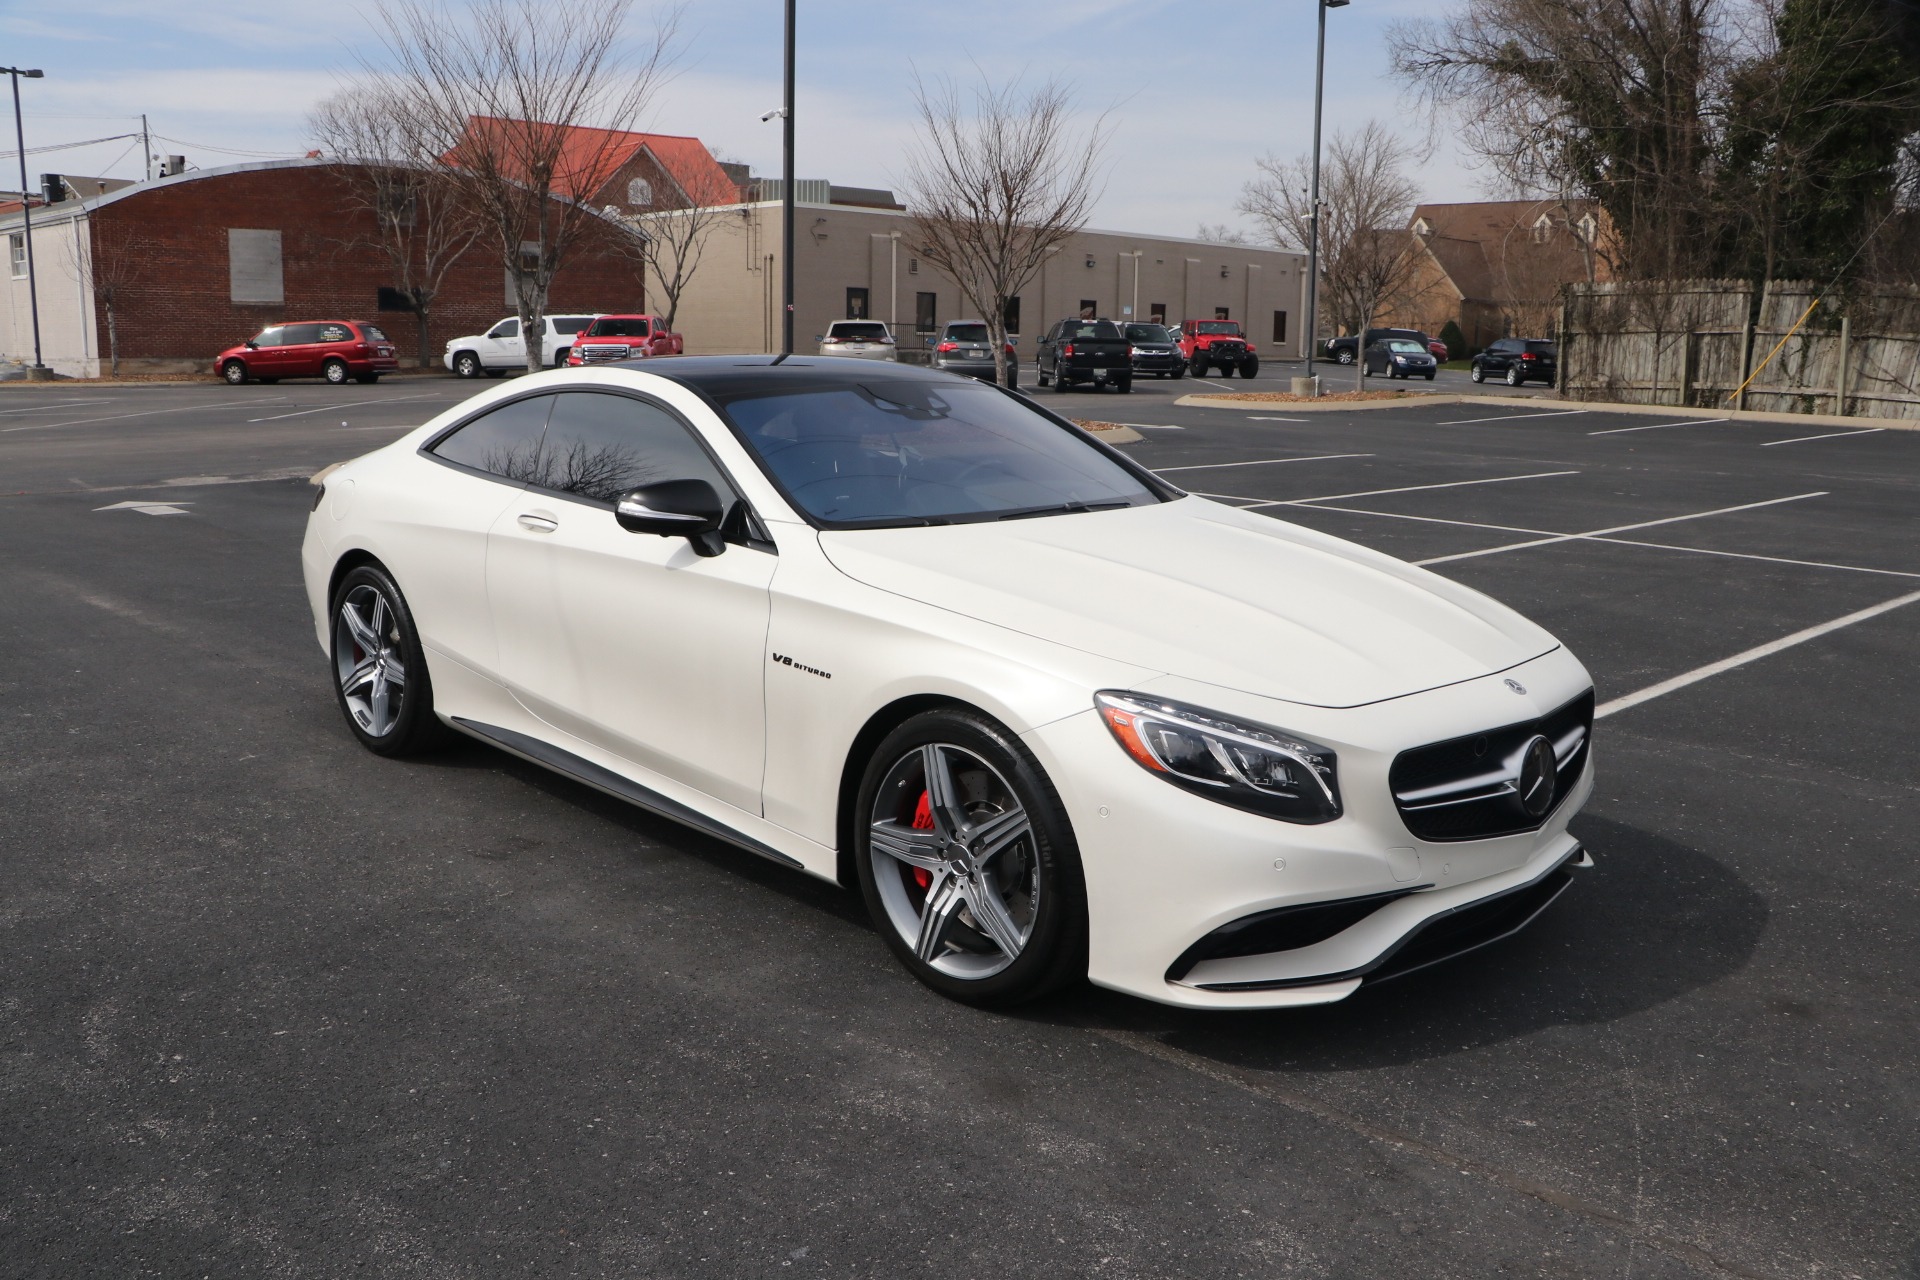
column 1206, row 591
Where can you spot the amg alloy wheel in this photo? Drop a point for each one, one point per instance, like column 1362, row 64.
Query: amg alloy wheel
column 380, row 673
column 967, row 863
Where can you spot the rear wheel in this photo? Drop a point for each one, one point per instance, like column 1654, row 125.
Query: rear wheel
column 1513, row 376
column 380, row 671
column 967, row 861
column 1123, row 384
column 1060, row 382
column 234, row 372
column 334, row 371
column 1179, row 372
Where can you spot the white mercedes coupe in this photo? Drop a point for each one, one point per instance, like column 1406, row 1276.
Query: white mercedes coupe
column 906, row 630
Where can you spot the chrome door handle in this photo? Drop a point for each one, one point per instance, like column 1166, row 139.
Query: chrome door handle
column 538, row 524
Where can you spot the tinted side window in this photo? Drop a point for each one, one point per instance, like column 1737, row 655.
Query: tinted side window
column 599, row 446
column 333, row 333
column 571, row 324
column 505, row 442
column 505, row 329
column 274, row 337
column 299, row 333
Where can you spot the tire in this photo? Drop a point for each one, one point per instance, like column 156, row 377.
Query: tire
column 1477, row 373
column 1060, row 383
column 335, row 372
column 1179, row 372
column 1514, row 379
column 560, row 357
column 1123, row 384
column 234, row 372
column 1250, row 367
column 467, row 365
column 367, row 379
column 374, row 640
column 1197, row 367
column 1040, row 377
column 1013, row 378
column 1429, row 377
column 266, row 382
column 1345, row 357
column 1020, row 864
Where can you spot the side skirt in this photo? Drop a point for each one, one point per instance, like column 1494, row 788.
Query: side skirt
column 585, row 771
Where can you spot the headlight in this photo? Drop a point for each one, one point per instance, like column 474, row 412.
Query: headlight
column 1399, row 359
column 1250, row 766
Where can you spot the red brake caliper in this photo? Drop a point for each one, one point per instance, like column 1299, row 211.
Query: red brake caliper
column 923, row 821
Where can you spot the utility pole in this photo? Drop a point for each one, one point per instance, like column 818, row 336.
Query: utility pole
column 1313, row 219
column 146, row 150
column 786, row 200
column 39, row 372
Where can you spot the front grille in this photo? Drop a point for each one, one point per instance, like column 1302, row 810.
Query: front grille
column 594, row 355
column 1467, row 788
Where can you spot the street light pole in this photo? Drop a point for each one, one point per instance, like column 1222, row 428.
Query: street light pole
column 1313, row 214
column 26, row 214
column 786, row 200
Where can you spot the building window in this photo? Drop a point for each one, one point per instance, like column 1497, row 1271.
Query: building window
column 392, row 299
column 1011, row 316
column 913, row 266
column 857, row 304
column 1543, row 228
column 254, row 271
column 1220, row 313
column 1089, row 308
column 1279, row 326
column 1588, row 227
column 924, row 316
column 17, row 255
column 1157, row 312
column 1421, row 227
column 639, row 194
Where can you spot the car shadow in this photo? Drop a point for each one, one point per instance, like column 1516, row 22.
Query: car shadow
column 1653, row 920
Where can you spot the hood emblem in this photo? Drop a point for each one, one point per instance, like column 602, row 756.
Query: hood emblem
column 1516, row 686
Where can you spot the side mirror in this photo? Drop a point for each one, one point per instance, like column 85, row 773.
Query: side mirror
column 252, row 345
column 1013, row 342
column 687, row 509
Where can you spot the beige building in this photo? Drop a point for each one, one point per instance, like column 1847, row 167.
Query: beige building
column 857, row 261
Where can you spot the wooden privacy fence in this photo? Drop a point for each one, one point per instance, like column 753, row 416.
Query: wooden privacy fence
column 1693, row 343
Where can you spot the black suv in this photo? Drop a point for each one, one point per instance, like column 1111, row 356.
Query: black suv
column 1346, row 350
column 1519, row 360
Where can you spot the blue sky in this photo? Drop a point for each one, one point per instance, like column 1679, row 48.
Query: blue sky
column 1190, row 104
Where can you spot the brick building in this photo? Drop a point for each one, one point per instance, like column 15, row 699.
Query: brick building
column 199, row 261
column 1495, row 267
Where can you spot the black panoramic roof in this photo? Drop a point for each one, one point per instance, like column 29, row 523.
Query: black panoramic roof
column 726, row 377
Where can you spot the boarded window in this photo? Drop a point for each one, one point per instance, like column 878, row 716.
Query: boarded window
column 254, row 271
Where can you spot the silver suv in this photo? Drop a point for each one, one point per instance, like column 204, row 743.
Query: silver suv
column 860, row 339
column 964, row 347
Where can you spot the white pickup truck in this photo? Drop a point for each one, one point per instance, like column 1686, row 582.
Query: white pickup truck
column 502, row 347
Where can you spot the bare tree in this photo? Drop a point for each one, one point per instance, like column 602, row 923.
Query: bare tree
column 1221, row 233
column 998, row 181
column 1367, row 259
column 670, row 242
column 525, row 106
column 395, row 183
column 110, row 263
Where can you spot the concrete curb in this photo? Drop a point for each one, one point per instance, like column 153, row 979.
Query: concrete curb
column 1203, row 401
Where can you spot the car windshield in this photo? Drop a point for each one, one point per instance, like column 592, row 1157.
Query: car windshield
column 1148, row 333
column 882, row 452
column 618, row 327
column 859, row 332
column 1228, row 327
column 966, row 333
column 1406, row 345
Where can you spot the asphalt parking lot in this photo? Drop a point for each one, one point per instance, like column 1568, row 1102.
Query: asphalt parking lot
column 271, row 1005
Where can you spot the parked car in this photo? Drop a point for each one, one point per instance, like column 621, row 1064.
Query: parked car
column 1346, row 350
column 1438, row 350
column 623, row 337
column 859, row 339
column 918, row 636
column 1400, row 358
column 1217, row 344
column 1091, row 351
column 1518, row 360
column 964, row 347
column 502, row 348
column 332, row 349
column 1155, row 350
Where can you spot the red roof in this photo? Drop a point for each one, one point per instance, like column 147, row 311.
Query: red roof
column 588, row 158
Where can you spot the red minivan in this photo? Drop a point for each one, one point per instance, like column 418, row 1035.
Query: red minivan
column 332, row 349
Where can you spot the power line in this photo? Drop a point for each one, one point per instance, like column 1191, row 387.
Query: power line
column 228, row 151
column 66, row 146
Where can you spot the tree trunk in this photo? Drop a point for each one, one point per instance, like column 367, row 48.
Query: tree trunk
column 420, row 313
column 113, row 340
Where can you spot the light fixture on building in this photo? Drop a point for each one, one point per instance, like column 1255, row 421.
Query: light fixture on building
column 1224, row 273
column 1090, row 262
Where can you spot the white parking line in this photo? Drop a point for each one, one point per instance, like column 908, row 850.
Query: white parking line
column 55, row 408
column 1835, row 435
column 1412, row 488
column 1262, row 462
column 1254, row 417
column 114, row 417
column 1150, row 426
column 1658, row 426
column 1511, row 417
column 1751, row 655
column 1623, row 528
column 350, row 404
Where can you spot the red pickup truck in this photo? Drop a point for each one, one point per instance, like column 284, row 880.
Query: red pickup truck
column 624, row 338
column 1217, row 344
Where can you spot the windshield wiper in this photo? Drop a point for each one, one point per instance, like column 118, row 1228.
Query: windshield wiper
column 1062, row 508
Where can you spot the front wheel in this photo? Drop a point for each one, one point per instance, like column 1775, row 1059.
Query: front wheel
column 1345, row 357
column 234, row 372
column 466, row 365
column 560, row 357
column 379, row 668
column 967, row 862
column 1250, row 366
column 1197, row 367
column 335, row 372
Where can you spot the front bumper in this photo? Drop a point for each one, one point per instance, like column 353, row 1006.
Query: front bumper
column 1158, row 362
column 1165, row 869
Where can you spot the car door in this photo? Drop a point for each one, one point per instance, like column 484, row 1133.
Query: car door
column 501, row 347
column 299, row 354
column 1044, row 351
column 633, row 643
column 263, row 360
column 1498, row 357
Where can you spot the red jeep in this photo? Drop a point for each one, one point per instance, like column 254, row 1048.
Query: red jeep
column 625, row 337
column 1217, row 344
